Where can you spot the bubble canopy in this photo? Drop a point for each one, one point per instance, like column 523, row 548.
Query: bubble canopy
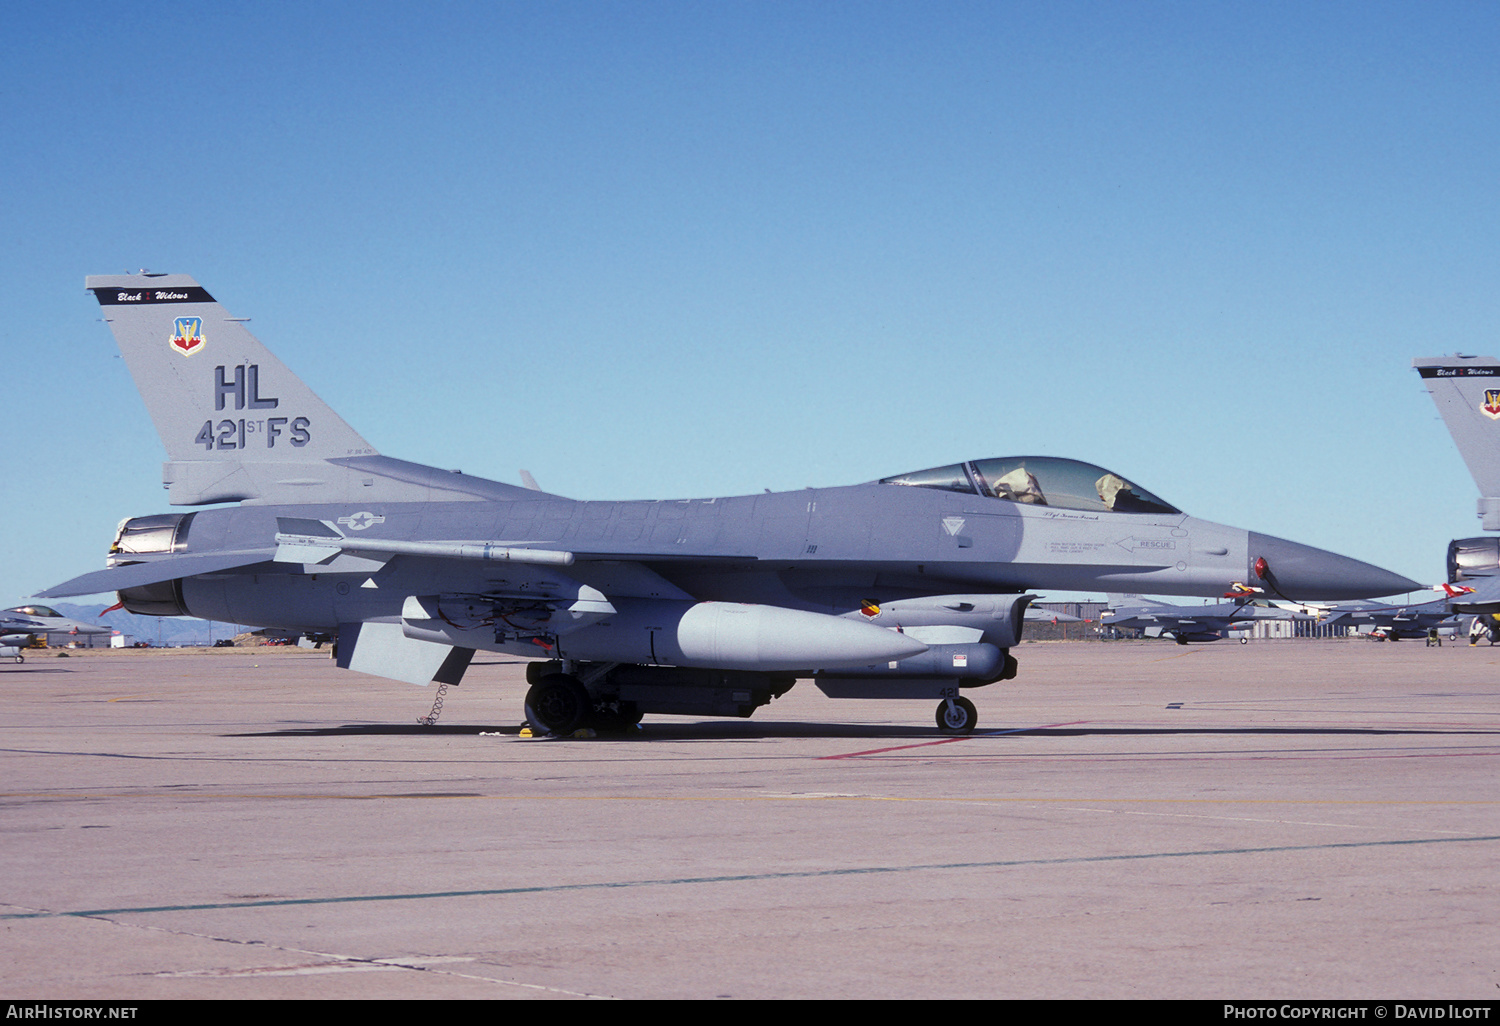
column 1040, row 481
column 35, row 611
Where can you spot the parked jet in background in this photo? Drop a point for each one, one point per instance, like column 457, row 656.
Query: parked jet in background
column 16, row 633
column 912, row 585
column 1185, row 624
column 54, row 623
column 1393, row 622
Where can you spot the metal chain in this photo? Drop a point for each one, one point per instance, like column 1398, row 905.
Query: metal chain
column 437, row 708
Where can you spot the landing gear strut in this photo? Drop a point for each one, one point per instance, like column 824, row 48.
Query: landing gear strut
column 956, row 716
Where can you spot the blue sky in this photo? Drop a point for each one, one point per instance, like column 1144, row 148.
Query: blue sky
column 668, row 249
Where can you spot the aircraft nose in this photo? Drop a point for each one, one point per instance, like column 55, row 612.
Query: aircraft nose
column 1303, row 572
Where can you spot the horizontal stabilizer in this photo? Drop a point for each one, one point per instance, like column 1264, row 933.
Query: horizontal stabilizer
column 136, row 575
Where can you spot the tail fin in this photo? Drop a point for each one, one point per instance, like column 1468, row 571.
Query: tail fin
column 1466, row 390
column 1132, row 601
column 236, row 423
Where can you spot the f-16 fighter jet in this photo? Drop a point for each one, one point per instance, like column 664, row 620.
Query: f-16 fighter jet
column 1184, row 624
column 913, row 585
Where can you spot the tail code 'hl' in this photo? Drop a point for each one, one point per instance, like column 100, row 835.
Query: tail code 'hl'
column 238, row 426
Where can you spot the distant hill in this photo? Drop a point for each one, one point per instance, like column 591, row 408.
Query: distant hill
column 158, row 630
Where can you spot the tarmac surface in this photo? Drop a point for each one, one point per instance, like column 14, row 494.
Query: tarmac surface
column 1279, row 820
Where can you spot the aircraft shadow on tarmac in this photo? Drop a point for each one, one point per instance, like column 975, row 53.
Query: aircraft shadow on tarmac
column 770, row 729
column 736, row 730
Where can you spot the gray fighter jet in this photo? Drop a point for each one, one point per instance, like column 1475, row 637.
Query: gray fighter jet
column 913, row 585
column 16, row 633
column 1394, row 622
column 54, row 624
column 1466, row 390
column 1184, row 624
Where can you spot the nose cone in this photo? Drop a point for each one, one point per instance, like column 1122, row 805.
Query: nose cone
column 1303, row 572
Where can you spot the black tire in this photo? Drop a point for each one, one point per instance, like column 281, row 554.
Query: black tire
column 959, row 718
column 557, row 704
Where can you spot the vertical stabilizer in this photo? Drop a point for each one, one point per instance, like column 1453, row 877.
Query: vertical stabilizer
column 238, row 426
column 1466, row 390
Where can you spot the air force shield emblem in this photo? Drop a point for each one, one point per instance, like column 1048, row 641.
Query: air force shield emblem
column 188, row 338
column 1491, row 405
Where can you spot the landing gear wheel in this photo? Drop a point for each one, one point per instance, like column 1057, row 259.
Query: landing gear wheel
column 956, row 716
column 557, row 704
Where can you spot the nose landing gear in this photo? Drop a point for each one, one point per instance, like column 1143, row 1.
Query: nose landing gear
column 956, row 715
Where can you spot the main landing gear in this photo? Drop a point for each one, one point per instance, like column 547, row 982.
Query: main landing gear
column 559, row 704
column 956, row 716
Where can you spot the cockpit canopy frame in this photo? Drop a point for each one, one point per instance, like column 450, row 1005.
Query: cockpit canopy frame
column 1040, row 481
column 35, row 610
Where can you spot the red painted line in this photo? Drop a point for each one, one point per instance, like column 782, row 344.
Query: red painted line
column 949, row 740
